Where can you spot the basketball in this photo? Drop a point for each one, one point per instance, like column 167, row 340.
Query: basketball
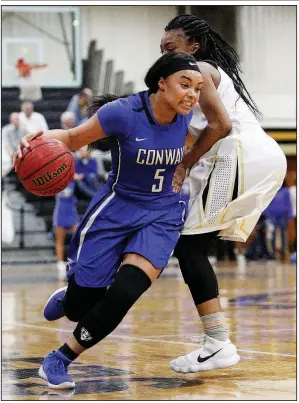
column 47, row 167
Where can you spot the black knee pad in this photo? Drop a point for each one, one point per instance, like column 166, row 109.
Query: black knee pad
column 71, row 310
column 79, row 300
column 201, row 280
column 129, row 284
column 196, row 268
column 72, row 315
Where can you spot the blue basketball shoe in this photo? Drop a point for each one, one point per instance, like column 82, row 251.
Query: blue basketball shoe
column 54, row 371
column 53, row 309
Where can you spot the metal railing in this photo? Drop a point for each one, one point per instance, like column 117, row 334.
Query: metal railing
column 101, row 77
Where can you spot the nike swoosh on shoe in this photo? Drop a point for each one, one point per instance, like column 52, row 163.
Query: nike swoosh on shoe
column 199, row 359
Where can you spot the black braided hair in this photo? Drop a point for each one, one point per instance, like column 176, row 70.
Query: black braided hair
column 214, row 48
column 98, row 102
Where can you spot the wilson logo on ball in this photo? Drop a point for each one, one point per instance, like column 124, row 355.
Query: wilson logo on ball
column 41, row 180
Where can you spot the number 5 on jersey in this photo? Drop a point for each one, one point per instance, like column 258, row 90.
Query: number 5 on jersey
column 160, row 178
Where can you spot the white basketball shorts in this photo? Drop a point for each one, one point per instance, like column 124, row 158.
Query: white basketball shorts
column 250, row 159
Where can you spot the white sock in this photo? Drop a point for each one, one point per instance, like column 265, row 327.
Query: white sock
column 214, row 326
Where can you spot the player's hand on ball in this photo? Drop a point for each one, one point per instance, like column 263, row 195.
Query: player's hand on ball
column 46, row 166
column 178, row 178
column 24, row 142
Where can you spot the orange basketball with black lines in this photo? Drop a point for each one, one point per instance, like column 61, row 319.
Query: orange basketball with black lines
column 47, row 167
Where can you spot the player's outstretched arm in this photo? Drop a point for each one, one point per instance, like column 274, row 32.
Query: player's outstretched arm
column 74, row 139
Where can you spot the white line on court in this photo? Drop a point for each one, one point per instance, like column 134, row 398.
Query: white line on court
column 136, row 338
column 239, row 332
column 263, row 331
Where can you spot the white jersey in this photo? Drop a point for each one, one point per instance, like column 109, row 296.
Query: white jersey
column 236, row 108
column 238, row 177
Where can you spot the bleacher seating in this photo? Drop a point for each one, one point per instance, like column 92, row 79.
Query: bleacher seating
column 54, row 102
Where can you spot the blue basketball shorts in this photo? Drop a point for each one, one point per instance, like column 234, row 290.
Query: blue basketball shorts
column 113, row 226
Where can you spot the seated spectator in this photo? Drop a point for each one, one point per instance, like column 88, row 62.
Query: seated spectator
column 279, row 212
column 79, row 105
column 86, row 173
column 12, row 133
column 5, row 163
column 30, row 121
column 67, row 120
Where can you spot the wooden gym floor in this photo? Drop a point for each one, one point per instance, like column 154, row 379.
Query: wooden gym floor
column 133, row 362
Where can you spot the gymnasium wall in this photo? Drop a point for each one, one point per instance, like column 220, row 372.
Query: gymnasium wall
column 129, row 35
column 265, row 37
column 266, row 42
column 41, row 35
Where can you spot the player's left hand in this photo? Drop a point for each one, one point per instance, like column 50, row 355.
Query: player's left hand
column 24, row 143
column 178, row 178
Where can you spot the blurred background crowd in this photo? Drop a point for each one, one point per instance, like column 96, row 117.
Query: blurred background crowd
column 42, row 90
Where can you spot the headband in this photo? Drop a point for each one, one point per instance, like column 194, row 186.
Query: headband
column 177, row 64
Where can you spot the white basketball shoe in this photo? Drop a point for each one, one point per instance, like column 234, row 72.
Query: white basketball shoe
column 212, row 354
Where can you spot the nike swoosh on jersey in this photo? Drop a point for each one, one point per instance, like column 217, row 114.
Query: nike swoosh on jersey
column 199, row 359
column 138, row 139
column 192, row 64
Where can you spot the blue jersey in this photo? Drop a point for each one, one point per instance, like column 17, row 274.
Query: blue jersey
column 144, row 152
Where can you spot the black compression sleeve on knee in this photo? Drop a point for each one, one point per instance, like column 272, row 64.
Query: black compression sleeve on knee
column 199, row 275
column 201, row 280
column 196, row 269
column 129, row 284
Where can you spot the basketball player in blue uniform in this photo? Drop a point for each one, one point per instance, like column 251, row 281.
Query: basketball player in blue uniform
column 65, row 216
column 136, row 217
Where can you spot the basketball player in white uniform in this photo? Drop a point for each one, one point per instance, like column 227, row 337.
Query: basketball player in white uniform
column 235, row 169
column 247, row 155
